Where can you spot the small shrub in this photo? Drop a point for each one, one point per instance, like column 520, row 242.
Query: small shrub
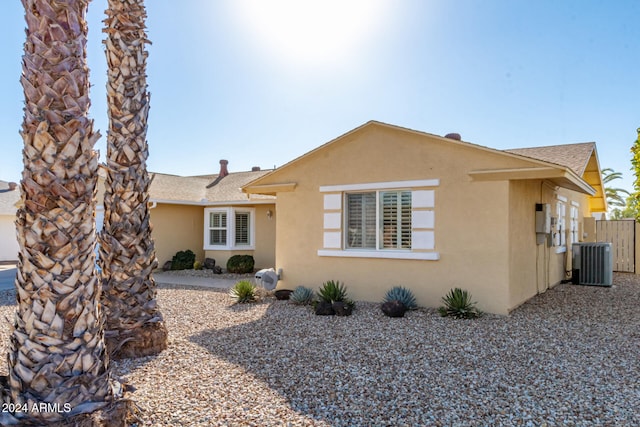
column 240, row 264
column 197, row 265
column 302, row 296
column 403, row 295
column 183, row 260
column 243, row 291
column 457, row 303
column 332, row 291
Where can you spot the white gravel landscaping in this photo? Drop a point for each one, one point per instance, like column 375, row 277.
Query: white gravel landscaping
column 568, row 357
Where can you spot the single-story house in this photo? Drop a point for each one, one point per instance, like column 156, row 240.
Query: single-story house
column 211, row 216
column 207, row 214
column 9, row 197
column 384, row 205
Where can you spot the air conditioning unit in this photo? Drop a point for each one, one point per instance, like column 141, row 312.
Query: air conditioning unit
column 592, row 264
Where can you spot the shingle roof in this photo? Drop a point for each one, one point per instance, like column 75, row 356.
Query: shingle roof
column 574, row 156
column 8, row 199
column 197, row 189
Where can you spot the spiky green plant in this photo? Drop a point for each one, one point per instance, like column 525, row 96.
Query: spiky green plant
column 402, row 294
column 458, row 304
column 243, row 291
column 302, row 296
column 332, row 291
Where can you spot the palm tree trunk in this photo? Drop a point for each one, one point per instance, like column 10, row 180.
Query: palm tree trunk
column 57, row 359
column 134, row 324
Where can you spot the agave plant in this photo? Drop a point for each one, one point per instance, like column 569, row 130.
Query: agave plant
column 302, row 296
column 333, row 291
column 243, row 291
column 403, row 295
column 458, row 303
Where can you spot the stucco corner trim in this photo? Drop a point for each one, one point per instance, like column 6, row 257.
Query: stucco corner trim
column 425, row 256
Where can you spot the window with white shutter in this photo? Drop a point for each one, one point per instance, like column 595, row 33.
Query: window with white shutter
column 242, row 229
column 393, row 220
column 229, row 228
column 361, row 220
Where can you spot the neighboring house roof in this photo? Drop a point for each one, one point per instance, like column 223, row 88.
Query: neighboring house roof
column 198, row 190
column 574, row 156
column 8, row 199
column 573, row 166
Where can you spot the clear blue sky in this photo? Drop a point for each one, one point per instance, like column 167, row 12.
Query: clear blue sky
column 262, row 85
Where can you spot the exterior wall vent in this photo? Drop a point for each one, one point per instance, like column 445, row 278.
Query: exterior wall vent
column 592, row 264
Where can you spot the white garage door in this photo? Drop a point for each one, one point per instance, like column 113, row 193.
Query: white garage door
column 8, row 241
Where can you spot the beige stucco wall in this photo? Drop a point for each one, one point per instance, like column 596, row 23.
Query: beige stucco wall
column 264, row 253
column 472, row 218
column 177, row 228
column 533, row 267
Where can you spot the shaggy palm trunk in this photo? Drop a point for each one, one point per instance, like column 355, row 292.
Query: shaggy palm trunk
column 134, row 325
column 57, row 359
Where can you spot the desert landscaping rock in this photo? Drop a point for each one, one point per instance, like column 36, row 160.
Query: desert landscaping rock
column 567, row 357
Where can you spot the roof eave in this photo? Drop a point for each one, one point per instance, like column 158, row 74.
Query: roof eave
column 562, row 177
column 270, row 189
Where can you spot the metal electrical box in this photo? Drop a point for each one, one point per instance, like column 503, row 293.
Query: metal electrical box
column 543, row 218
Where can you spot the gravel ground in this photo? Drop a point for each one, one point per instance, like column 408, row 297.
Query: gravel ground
column 569, row 357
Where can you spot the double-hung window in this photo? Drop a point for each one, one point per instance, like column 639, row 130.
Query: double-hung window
column 378, row 220
column 229, row 228
column 218, row 228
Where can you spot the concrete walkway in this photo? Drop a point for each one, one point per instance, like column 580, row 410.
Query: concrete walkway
column 8, row 276
column 163, row 278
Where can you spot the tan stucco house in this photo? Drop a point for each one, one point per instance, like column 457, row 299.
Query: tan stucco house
column 207, row 214
column 9, row 198
column 211, row 216
column 383, row 205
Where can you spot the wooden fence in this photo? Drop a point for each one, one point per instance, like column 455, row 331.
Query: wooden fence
column 622, row 235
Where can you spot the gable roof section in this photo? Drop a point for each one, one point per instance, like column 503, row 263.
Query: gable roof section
column 582, row 158
column 197, row 190
column 560, row 171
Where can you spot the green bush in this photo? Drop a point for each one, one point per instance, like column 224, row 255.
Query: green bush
column 457, row 303
column 197, row 265
column 183, row 260
column 243, row 291
column 302, row 296
column 332, row 291
column 404, row 295
column 240, row 264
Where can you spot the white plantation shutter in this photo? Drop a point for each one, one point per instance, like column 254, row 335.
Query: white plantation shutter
column 361, row 220
column 395, row 220
column 242, row 228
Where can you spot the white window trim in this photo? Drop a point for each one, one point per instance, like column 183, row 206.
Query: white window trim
column 371, row 253
column 334, row 246
column 561, row 211
column 231, row 229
